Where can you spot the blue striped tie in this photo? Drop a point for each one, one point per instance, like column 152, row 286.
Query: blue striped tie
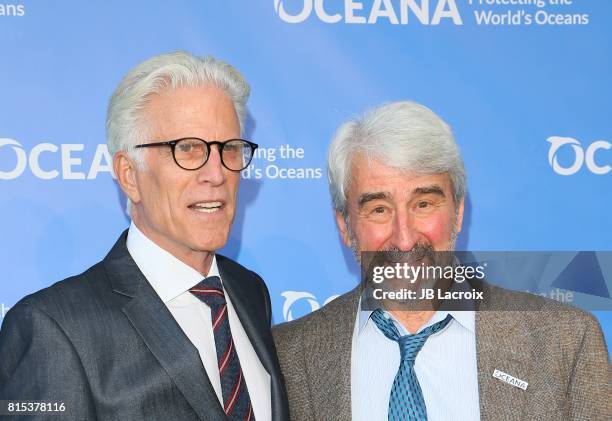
column 236, row 400
column 406, row 401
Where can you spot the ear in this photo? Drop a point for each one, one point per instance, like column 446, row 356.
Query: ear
column 343, row 229
column 460, row 216
column 125, row 170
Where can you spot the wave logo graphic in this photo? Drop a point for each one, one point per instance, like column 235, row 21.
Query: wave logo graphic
column 21, row 156
column 582, row 157
column 295, row 297
column 286, row 17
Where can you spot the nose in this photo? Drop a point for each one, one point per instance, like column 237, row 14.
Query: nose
column 405, row 235
column 213, row 171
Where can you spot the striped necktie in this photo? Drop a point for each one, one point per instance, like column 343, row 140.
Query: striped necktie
column 236, row 400
column 406, row 401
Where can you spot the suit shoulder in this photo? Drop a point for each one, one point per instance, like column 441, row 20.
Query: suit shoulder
column 544, row 316
column 552, row 311
column 79, row 290
column 570, row 322
column 290, row 337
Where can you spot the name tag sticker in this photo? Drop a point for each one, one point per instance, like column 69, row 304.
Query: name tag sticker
column 507, row 378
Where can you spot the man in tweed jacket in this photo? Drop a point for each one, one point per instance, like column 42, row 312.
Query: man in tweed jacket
column 398, row 184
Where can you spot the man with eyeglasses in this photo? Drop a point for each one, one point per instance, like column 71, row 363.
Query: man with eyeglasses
column 163, row 328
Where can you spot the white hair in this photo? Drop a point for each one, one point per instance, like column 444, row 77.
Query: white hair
column 125, row 124
column 403, row 135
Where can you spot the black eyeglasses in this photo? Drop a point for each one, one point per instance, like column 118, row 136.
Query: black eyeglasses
column 191, row 153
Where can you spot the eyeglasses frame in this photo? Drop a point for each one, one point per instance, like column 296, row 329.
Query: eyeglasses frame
column 221, row 144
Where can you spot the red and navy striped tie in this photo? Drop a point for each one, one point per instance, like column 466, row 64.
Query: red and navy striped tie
column 236, row 400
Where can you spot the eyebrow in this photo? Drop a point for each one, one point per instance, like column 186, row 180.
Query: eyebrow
column 368, row 197
column 433, row 189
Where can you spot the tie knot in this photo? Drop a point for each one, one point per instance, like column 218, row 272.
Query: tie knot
column 409, row 345
column 210, row 291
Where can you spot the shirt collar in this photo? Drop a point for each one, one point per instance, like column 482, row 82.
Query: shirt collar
column 466, row 318
column 169, row 276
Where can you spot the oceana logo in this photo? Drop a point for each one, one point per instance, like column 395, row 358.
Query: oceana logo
column 582, row 157
column 63, row 161
column 396, row 12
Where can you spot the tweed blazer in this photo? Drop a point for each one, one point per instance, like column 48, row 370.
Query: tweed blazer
column 557, row 349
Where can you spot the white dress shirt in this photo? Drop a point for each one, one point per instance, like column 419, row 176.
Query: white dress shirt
column 445, row 368
column 171, row 279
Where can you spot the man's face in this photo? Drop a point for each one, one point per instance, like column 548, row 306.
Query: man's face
column 186, row 212
column 389, row 209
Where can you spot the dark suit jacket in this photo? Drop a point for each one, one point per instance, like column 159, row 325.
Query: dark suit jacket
column 105, row 344
column 559, row 350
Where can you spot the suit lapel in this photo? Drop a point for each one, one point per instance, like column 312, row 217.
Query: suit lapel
column 239, row 293
column 163, row 336
column 502, row 344
column 242, row 293
column 331, row 359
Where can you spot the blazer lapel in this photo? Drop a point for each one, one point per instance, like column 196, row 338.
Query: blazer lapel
column 242, row 301
column 502, row 344
column 163, row 336
column 259, row 334
column 331, row 359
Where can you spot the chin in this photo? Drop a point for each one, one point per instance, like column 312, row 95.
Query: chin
column 211, row 243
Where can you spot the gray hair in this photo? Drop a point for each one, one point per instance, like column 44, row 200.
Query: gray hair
column 403, row 135
column 125, row 124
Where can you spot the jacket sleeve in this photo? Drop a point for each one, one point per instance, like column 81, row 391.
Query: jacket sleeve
column 38, row 362
column 590, row 388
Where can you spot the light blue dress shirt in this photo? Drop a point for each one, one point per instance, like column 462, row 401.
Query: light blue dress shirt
column 445, row 367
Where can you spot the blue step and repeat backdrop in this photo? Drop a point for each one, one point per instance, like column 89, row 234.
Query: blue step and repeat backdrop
column 525, row 85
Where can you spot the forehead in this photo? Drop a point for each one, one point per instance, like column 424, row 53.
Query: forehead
column 372, row 176
column 204, row 111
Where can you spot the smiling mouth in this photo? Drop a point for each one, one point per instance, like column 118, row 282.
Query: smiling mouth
column 206, row 207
